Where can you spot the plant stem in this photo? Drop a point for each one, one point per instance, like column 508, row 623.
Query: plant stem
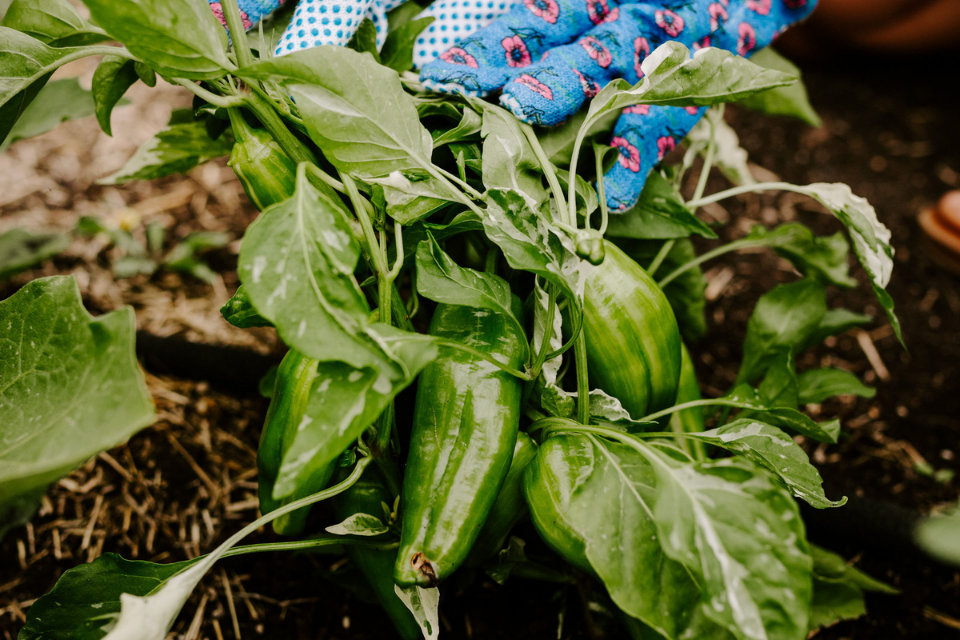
column 360, row 205
column 710, row 255
column 601, row 193
column 224, row 102
column 583, row 379
column 572, row 184
column 435, row 172
column 706, row 402
column 452, row 344
column 546, row 165
column 476, row 195
column 231, row 11
column 299, row 545
column 747, row 188
column 547, row 332
column 660, row 257
column 265, row 111
column 708, row 159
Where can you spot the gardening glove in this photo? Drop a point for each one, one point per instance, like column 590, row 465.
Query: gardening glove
column 550, row 56
column 317, row 22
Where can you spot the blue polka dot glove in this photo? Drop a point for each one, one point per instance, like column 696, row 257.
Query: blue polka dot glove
column 550, row 56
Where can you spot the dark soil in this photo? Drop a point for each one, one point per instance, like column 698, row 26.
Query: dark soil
column 178, row 488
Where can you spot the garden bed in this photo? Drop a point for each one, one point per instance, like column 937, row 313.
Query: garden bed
column 176, row 488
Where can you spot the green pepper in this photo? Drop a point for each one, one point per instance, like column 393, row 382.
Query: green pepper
column 633, row 343
column 291, row 392
column 548, row 484
column 376, row 565
column 464, row 431
column 689, row 420
column 267, row 174
column 509, row 508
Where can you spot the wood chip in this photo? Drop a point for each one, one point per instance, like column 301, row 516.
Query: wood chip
column 873, row 356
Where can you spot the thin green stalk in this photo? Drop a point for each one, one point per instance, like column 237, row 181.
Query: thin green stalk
column 546, row 165
column 708, row 159
column 660, row 257
column 747, row 188
column 710, row 255
column 327, row 179
column 360, row 205
column 583, row 379
column 476, row 195
column 706, row 402
column 231, row 11
column 435, row 172
column 451, row 344
column 578, row 330
column 601, row 194
column 547, row 333
column 572, row 184
column 292, row 146
column 224, row 102
column 301, row 545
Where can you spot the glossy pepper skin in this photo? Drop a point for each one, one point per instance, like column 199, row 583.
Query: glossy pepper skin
column 464, row 431
column 376, row 565
column 689, row 420
column 291, row 392
column 510, row 507
column 633, row 343
column 267, row 174
column 548, row 484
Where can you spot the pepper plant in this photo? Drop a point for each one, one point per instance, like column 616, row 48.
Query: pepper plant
column 410, row 239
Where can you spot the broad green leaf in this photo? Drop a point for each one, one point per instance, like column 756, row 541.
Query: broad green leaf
column 110, row 81
column 296, row 264
column 672, row 77
column 816, row 385
column 467, row 129
column 442, row 280
column 829, row 566
column 397, row 52
column 424, row 604
column 838, row 589
column 364, row 39
column 57, row 102
column 729, row 157
column 509, row 161
column 69, row 385
column 784, row 417
column 939, row 536
column 346, row 400
column 871, row 239
column 407, row 201
column 779, row 386
column 25, row 66
column 835, row 322
column 686, row 292
column 20, row 249
column 783, row 318
column 53, row 22
column 183, row 257
column 354, row 109
column 790, row 100
column 727, row 542
column 359, row 524
column 770, row 448
column 177, row 148
column 586, row 195
column 823, row 258
column 178, row 38
column 531, row 243
column 240, row 312
column 660, row 213
column 86, row 598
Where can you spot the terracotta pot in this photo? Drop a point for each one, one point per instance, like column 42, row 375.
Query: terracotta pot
column 942, row 226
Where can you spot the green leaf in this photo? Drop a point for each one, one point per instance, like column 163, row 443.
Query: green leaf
column 177, row 148
column 835, row 322
column 784, row 317
column 296, row 263
column 939, row 536
column 424, row 604
column 822, row 258
column 727, row 542
column 838, row 589
column 586, row 195
column 816, row 385
column 57, row 102
column 354, row 109
column 729, row 157
column 790, row 100
column 466, row 130
column 509, row 161
column 359, row 524
column 871, row 239
column 660, row 213
column 783, row 417
column 21, row 250
column 672, row 77
column 240, row 312
column 364, row 39
column 779, row 385
column 131, row 265
column 397, row 52
column 69, row 385
column 183, row 257
column 86, row 598
column 178, row 38
column 530, row 243
column 770, row 448
column 110, row 81
column 346, row 400
column 53, row 22
column 407, row 201
column 442, row 280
